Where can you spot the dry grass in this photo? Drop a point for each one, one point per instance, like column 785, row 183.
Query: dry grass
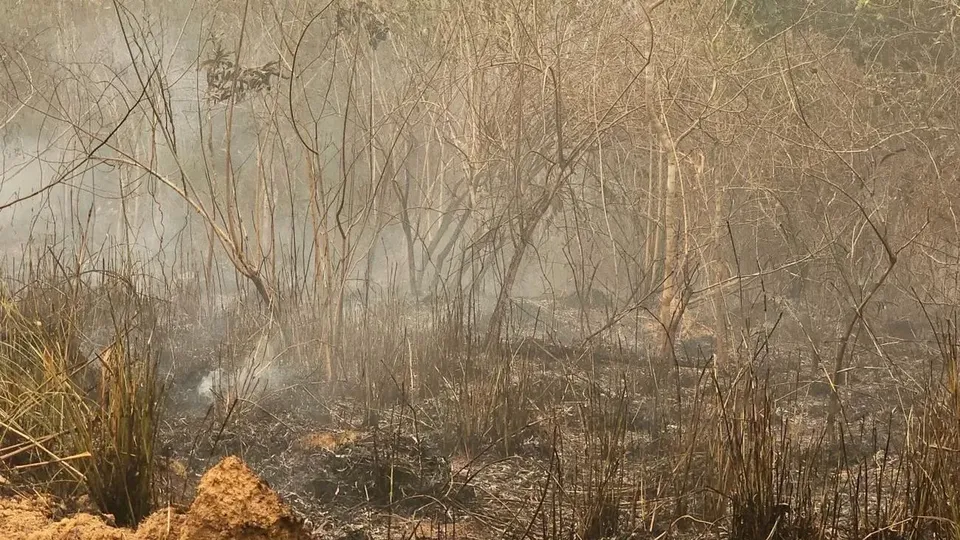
column 698, row 450
column 720, row 455
column 73, row 421
column 731, row 462
column 932, row 445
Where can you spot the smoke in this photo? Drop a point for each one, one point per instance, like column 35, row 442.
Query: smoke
column 113, row 205
column 258, row 372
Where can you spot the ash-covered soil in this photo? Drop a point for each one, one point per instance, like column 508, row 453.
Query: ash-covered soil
column 414, row 463
column 407, row 472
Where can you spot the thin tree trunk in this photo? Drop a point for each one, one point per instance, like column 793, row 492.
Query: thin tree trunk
column 670, row 310
column 718, row 275
column 321, row 261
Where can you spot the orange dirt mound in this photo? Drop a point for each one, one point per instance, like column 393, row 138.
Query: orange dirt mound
column 166, row 524
column 29, row 519
column 20, row 517
column 231, row 503
column 80, row 526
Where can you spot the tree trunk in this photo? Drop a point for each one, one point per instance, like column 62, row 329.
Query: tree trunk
column 670, row 310
column 718, row 275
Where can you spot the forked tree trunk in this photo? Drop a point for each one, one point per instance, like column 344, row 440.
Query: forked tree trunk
column 503, row 297
column 516, row 260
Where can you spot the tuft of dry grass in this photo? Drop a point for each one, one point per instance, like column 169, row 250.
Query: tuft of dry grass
column 932, row 444
column 74, row 422
column 119, row 428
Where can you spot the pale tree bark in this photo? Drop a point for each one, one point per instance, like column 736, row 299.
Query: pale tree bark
column 652, row 235
column 321, row 258
column 718, row 271
column 671, row 306
column 676, row 288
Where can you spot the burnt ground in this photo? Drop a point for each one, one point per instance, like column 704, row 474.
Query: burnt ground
column 406, row 471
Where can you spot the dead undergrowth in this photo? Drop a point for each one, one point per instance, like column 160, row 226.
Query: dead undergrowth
column 427, row 435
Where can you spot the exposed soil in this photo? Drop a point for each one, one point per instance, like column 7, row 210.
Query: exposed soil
column 20, row 517
column 231, row 502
